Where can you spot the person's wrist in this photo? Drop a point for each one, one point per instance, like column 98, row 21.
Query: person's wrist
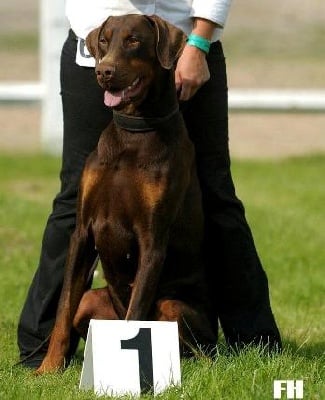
column 199, row 42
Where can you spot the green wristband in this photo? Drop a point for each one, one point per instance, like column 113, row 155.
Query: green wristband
column 199, row 42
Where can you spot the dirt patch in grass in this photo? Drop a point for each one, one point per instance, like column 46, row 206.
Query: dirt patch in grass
column 20, row 128
column 276, row 135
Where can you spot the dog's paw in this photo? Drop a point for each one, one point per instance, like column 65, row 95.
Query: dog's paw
column 49, row 366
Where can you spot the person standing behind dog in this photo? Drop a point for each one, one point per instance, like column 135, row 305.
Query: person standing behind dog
column 238, row 285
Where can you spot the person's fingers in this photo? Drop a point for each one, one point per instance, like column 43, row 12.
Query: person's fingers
column 187, row 90
column 178, row 81
column 191, row 72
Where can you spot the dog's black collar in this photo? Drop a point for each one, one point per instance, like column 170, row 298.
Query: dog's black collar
column 142, row 124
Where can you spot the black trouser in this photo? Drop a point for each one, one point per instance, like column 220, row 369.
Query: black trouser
column 239, row 289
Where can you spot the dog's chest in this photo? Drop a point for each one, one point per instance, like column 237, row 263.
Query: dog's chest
column 117, row 205
column 131, row 191
column 124, row 189
column 128, row 185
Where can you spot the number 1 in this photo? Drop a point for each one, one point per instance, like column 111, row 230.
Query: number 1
column 142, row 343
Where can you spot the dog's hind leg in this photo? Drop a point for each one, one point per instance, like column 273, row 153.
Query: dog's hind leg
column 80, row 259
column 95, row 304
column 195, row 333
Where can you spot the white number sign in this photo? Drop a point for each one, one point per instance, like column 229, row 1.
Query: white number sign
column 131, row 357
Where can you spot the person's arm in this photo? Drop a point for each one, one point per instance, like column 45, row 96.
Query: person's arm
column 192, row 70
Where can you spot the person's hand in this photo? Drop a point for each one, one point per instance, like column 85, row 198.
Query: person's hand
column 191, row 72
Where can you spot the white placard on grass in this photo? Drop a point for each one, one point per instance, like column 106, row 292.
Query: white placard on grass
column 131, row 357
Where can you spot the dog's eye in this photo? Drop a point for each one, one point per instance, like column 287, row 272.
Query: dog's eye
column 102, row 40
column 132, row 41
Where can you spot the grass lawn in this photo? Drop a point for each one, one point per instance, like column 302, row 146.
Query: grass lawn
column 285, row 207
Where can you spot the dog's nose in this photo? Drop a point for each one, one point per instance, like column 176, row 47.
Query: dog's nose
column 105, row 70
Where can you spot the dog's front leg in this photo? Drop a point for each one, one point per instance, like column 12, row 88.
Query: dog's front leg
column 80, row 259
column 151, row 259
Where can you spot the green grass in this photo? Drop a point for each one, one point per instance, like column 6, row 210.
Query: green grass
column 19, row 41
column 285, row 207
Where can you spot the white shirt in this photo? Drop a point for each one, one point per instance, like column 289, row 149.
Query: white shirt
column 86, row 15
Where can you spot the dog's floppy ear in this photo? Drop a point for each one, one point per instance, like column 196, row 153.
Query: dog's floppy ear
column 170, row 41
column 92, row 40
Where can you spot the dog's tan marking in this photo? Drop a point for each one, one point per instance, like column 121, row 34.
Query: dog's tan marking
column 89, row 180
column 152, row 192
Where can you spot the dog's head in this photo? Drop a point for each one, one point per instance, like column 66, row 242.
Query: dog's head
column 129, row 51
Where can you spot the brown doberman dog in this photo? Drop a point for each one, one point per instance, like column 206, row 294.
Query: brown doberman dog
column 139, row 205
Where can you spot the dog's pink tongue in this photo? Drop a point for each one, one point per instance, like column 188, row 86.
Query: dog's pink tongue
column 112, row 99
